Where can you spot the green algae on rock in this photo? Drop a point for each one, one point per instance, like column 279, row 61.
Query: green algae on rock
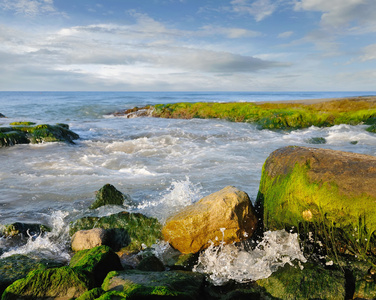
column 271, row 115
column 98, row 261
column 141, row 230
column 25, row 133
column 25, row 229
column 108, row 194
column 63, row 283
column 169, row 284
column 320, row 192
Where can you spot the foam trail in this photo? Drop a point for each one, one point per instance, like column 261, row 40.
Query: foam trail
column 228, row 262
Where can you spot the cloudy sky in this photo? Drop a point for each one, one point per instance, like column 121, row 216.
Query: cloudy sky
column 188, row 45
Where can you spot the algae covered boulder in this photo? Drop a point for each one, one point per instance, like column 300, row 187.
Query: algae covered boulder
column 226, row 215
column 131, row 230
column 26, row 132
column 98, row 261
column 329, row 193
column 136, row 284
column 309, row 282
column 18, row 266
column 62, row 283
column 24, row 229
column 108, row 194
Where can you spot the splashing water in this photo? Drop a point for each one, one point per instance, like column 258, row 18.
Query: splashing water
column 180, row 194
column 51, row 245
column 228, row 262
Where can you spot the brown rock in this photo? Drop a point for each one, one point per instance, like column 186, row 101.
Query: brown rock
column 87, row 239
column 227, row 214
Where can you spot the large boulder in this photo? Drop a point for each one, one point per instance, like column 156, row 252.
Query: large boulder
column 132, row 231
column 328, row 195
column 136, row 284
column 98, row 261
column 226, row 215
column 87, row 239
column 56, row 283
column 108, row 194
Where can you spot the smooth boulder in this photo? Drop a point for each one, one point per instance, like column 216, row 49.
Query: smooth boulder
column 328, row 193
column 226, row 215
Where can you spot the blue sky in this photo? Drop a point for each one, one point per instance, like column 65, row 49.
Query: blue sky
column 188, row 45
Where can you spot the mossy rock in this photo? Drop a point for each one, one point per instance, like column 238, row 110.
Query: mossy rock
column 108, row 194
column 98, row 261
column 316, row 140
column 372, row 128
column 311, row 282
column 150, row 263
column 161, row 285
column 2, row 116
column 329, row 193
column 92, row 294
column 18, row 266
column 25, row 133
column 24, row 229
column 142, row 230
column 62, row 283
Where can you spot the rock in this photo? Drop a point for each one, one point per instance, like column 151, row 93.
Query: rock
column 62, row 283
column 23, row 229
column 2, row 116
column 329, row 193
column 227, row 214
column 25, row 133
column 108, row 194
column 167, row 284
column 311, row 282
column 316, row 140
column 92, row 294
column 98, row 261
column 141, row 231
column 18, row 266
column 87, row 239
column 150, row 263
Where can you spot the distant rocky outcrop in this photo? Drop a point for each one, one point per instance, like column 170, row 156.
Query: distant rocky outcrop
column 2, row 116
column 26, row 133
column 328, row 195
column 108, row 194
column 226, row 215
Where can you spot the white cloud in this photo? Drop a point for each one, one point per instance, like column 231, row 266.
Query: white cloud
column 369, row 53
column 28, row 7
column 259, row 9
column 285, row 34
column 337, row 13
column 232, row 33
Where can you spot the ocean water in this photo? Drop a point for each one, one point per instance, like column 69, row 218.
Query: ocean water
column 163, row 164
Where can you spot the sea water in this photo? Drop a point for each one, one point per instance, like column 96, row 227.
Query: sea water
column 162, row 164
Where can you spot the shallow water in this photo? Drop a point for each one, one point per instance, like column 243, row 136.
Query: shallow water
column 163, row 164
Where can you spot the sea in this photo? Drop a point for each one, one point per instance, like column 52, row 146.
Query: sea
column 162, row 164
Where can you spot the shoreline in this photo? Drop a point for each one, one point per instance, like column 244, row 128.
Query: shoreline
column 371, row 98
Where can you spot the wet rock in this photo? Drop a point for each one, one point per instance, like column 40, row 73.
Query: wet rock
column 316, row 140
column 25, row 133
column 22, row 229
column 167, row 284
column 87, row 239
column 62, row 283
column 227, row 214
column 92, row 294
column 136, row 230
column 150, row 263
column 98, row 262
column 2, row 116
column 311, row 282
column 18, row 266
column 328, row 193
column 108, row 194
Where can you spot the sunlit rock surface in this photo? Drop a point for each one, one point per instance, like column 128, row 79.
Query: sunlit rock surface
column 226, row 215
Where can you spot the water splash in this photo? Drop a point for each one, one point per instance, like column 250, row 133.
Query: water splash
column 51, row 245
column 178, row 195
column 228, row 262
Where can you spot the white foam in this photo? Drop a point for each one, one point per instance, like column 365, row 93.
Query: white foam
column 228, row 262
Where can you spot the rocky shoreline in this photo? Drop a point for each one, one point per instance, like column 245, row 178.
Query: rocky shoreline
column 314, row 213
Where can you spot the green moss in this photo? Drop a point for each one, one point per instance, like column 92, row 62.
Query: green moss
column 51, row 283
column 22, row 123
column 92, row 294
column 311, row 282
column 141, row 229
column 277, row 116
column 108, row 194
column 292, row 201
column 14, row 229
column 316, row 140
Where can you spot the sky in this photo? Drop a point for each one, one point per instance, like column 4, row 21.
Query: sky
column 187, row 45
